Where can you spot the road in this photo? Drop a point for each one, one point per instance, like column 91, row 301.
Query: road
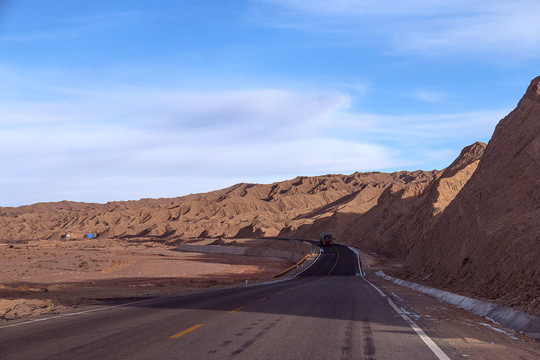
column 327, row 312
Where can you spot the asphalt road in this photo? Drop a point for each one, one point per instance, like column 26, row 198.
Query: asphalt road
column 327, row 312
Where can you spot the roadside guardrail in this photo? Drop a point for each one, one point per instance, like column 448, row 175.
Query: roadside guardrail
column 292, row 267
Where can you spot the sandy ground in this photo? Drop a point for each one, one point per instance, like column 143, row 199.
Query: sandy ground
column 41, row 277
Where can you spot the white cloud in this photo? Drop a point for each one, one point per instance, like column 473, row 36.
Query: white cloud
column 109, row 142
column 501, row 29
column 429, row 129
column 382, row 7
column 434, row 28
column 426, row 95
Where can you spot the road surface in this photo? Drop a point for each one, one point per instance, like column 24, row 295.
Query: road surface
column 327, row 312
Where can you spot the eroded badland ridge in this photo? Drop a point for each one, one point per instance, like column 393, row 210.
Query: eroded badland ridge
column 243, row 210
column 471, row 228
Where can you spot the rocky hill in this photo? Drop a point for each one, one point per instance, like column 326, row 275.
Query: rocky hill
column 243, row 210
column 400, row 213
column 487, row 240
column 405, row 212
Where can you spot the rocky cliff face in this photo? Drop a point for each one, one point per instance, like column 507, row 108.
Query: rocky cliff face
column 405, row 212
column 486, row 242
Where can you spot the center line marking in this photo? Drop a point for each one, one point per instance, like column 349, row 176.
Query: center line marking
column 281, row 292
column 235, row 310
column 337, row 259
column 262, row 299
column 186, row 331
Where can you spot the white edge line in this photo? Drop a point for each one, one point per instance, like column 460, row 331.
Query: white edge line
column 427, row 340
column 357, row 258
column 85, row 312
column 310, row 265
column 433, row 347
column 142, row 301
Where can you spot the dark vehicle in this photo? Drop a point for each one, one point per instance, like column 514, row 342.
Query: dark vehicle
column 325, row 239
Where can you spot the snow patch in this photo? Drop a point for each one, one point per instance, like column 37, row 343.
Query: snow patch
column 513, row 319
column 500, row 330
column 396, row 296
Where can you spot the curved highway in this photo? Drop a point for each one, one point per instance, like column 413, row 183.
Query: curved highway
column 334, row 260
column 327, row 312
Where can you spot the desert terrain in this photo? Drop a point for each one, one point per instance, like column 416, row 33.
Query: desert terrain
column 54, row 276
column 471, row 228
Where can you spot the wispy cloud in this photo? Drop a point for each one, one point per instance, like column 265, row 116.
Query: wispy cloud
column 70, row 28
column 167, row 98
column 87, row 140
column 414, row 135
column 417, row 27
column 431, row 96
column 382, row 7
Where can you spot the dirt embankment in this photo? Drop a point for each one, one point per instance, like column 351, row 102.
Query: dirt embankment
column 486, row 243
column 405, row 212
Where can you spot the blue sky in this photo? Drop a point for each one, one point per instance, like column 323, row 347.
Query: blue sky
column 122, row 100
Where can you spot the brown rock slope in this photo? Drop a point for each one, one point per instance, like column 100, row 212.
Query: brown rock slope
column 243, row 210
column 487, row 240
column 340, row 216
column 405, row 212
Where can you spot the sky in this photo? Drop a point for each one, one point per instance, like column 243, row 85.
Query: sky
column 122, row 100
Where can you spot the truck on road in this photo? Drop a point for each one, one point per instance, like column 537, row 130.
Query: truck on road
column 325, row 239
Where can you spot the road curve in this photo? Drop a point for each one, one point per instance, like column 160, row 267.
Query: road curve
column 327, row 312
column 334, row 260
